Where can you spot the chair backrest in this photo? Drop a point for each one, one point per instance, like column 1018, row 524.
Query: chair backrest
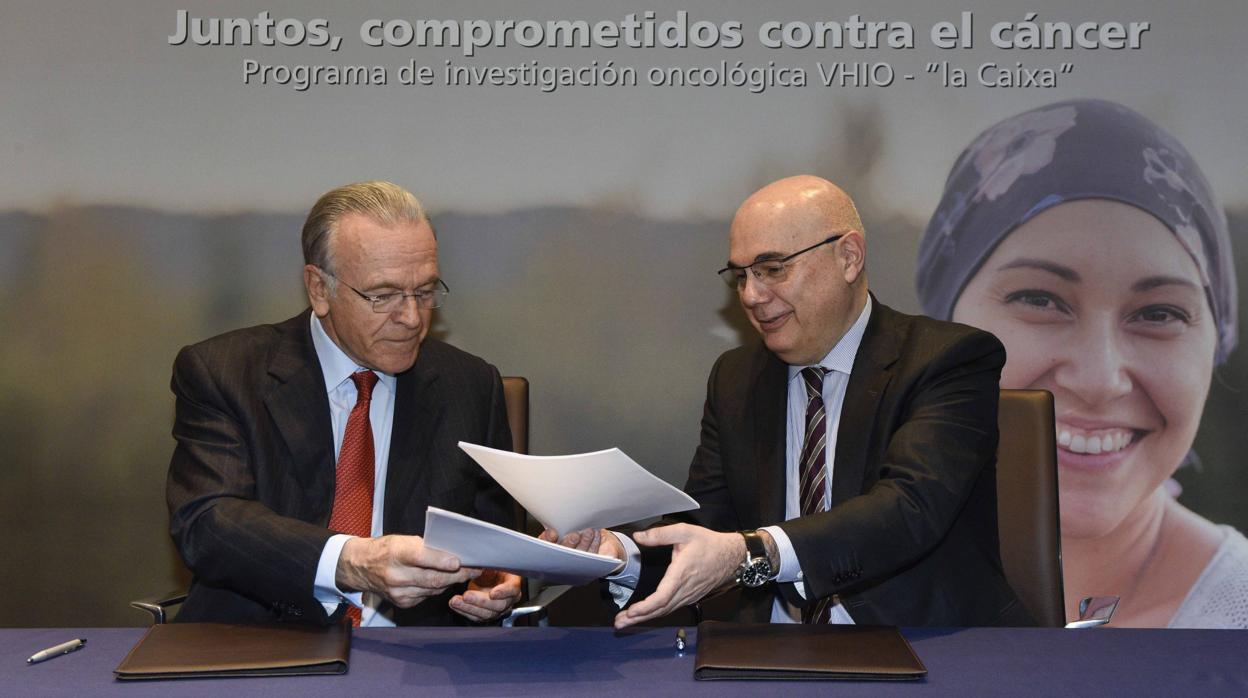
column 516, row 395
column 1027, row 503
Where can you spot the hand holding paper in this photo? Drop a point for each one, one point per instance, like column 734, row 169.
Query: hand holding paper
column 405, row 570
column 489, row 596
column 558, row 493
column 591, row 540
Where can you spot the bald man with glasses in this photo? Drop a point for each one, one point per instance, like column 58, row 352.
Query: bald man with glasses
column 846, row 470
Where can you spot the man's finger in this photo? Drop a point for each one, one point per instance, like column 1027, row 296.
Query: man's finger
column 496, row 585
column 662, row 535
column 479, row 597
column 505, row 592
column 630, row 616
column 414, row 553
column 471, row 611
column 406, row 597
column 508, row 588
column 479, row 606
column 432, row 580
column 433, row 559
column 653, row 606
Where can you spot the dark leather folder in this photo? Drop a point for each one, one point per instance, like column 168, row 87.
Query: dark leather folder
column 205, row 650
column 787, row 652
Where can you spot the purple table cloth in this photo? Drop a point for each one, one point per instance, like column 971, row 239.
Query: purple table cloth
column 599, row 662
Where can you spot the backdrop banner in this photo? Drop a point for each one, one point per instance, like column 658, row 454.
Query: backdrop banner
column 1069, row 175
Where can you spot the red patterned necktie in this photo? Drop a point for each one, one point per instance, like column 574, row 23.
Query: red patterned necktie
column 812, row 470
column 353, row 480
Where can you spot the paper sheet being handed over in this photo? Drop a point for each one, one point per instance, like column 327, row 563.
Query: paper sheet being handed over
column 482, row 544
column 586, row 490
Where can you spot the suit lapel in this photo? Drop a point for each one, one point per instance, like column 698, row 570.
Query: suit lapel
column 769, row 391
column 867, row 381
column 299, row 406
column 418, row 412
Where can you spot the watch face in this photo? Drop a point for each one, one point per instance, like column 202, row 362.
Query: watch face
column 756, row 574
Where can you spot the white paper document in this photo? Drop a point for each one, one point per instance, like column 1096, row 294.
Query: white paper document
column 586, row 490
column 481, row 544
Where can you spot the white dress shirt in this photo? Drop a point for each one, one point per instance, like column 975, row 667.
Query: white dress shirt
column 337, row 368
column 839, row 362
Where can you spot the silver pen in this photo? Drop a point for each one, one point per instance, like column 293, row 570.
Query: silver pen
column 56, row 651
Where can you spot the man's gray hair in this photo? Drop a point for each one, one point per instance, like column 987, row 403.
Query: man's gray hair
column 384, row 202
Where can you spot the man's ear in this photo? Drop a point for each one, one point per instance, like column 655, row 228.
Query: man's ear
column 853, row 255
column 318, row 289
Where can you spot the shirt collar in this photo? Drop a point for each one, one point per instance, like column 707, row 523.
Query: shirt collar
column 841, row 357
column 336, row 366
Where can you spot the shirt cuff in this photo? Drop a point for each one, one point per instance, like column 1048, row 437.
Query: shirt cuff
column 790, row 569
column 621, row 584
column 325, row 588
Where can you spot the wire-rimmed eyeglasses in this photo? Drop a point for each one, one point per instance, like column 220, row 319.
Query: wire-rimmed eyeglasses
column 389, row 302
column 767, row 271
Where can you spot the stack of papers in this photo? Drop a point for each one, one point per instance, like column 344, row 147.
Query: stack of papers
column 566, row 493
column 481, row 544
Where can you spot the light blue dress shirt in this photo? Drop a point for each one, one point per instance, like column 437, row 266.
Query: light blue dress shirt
column 337, row 368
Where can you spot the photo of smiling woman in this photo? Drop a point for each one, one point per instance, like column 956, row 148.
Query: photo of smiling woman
column 1086, row 238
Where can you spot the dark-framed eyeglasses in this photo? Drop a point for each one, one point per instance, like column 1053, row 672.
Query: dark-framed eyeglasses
column 389, row 302
column 768, row 271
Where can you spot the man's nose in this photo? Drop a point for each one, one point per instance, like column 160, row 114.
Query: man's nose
column 753, row 291
column 408, row 313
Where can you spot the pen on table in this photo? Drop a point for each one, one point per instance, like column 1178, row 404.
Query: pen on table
column 56, row 651
column 680, row 639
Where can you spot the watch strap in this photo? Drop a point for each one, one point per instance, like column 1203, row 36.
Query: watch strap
column 754, row 545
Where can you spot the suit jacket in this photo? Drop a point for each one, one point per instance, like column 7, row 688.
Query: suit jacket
column 251, row 481
column 911, row 535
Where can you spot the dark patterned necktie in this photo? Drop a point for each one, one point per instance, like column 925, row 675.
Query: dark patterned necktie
column 353, row 479
column 812, row 470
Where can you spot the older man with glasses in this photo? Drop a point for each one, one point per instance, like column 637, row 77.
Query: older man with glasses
column 846, row 470
column 307, row 451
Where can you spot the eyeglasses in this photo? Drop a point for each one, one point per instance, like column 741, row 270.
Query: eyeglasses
column 390, row 302
column 767, row 271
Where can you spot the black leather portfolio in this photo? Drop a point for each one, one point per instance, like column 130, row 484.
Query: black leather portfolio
column 787, row 652
column 205, row 650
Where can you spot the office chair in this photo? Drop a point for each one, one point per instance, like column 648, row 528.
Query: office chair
column 1028, row 522
column 1027, row 504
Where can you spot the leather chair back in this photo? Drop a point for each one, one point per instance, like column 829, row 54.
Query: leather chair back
column 1027, row 503
column 516, row 395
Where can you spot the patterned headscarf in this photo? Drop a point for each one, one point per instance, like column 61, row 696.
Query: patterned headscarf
column 1079, row 149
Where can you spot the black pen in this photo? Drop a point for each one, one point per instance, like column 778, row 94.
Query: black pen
column 680, row 639
column 56, row 651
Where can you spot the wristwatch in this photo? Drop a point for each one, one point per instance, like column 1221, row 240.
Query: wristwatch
column 756, row 570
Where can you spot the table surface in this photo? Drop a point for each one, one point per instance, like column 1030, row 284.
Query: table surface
column 961, row 662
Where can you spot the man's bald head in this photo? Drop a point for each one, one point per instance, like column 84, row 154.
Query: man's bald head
column 804, row 204
column 804, row 311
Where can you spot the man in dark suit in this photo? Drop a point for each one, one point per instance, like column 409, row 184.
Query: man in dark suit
column 846, row 470
column 307, row 451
